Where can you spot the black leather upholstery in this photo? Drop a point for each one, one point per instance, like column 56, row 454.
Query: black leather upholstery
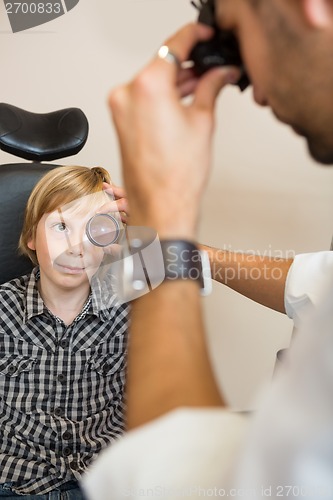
column 55, row 135
column 38, row 137
column 16, row 183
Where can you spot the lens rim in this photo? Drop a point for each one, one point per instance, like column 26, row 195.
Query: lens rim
column 90, row 237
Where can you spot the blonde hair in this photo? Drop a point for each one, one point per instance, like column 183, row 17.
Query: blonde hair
column 58, row 187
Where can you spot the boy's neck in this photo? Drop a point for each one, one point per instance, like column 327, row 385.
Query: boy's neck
column 65, row 304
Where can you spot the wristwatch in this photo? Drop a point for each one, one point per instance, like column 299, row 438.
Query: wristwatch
column 184, row 260
column 148, row 261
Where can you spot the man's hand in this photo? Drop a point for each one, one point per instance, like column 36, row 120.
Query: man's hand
column 165, row 143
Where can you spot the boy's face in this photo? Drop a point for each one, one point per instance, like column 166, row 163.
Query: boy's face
column 65, row 255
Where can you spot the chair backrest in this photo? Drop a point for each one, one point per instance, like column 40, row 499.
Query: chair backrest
column 37, row 137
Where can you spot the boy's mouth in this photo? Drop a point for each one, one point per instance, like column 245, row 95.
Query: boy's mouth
column 70, row 269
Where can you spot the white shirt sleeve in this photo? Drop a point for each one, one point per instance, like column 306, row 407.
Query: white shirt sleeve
column 309, row 282
column 184, row 454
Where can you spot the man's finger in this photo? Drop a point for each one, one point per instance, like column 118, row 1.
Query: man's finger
column 120, row 205
column 180, row 46
column 210, row 85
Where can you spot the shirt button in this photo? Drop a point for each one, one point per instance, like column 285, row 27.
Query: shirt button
column 64, row 343
column 74, row 465
column 67, row 451
column 12, row 369
column 58, row 411
column 66, row 435
column 61, row 377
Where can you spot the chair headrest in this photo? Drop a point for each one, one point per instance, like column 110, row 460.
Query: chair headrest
column 42, row 136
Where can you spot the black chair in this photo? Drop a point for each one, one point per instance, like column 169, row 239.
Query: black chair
column 39, row 138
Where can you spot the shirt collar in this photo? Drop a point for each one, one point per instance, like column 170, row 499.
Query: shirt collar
column 95, row 304
column 102, row 299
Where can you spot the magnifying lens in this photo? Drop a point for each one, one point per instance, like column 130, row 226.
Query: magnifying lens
column 102, row 230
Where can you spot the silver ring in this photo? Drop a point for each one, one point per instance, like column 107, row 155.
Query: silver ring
column 165, row 53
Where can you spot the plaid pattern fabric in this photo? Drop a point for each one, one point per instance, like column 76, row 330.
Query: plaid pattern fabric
column 61, row 386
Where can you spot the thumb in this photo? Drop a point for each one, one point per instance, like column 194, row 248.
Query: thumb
column 210, row 85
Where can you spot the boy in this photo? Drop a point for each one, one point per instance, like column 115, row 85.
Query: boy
column 63, row 341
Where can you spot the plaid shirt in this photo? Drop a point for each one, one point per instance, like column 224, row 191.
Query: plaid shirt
column 61, row 386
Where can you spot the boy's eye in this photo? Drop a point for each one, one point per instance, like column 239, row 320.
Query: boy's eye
column 60, row 227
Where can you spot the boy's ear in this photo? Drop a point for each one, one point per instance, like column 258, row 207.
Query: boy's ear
column 318, row 13
column 31, row 245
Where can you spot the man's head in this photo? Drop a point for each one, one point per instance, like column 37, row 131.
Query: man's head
column 287, row 49
column 59, row 187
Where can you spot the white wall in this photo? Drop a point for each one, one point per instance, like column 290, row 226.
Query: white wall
column 265, row 193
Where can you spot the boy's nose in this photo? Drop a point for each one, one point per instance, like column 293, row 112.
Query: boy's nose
column 78, row 244
column 77, row 249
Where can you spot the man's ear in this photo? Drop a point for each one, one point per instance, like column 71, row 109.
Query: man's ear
column 318, row 13
column 31, row 245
